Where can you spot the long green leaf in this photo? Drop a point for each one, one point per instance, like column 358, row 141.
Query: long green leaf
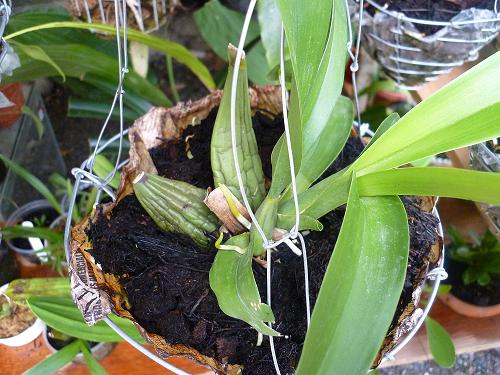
column 464, row 112
column 55, row 361
column 37, row 53
column 22, row 289
column 232, row 280
column 173, row 49
column 34, row 181
column 97, row 109
column 442, row 348
column 358, row 296
column 220, row 26
column 18, row 231
column 77, row 60
column 385, row 125
column 322, row 145
column 62, row 315
column 103, row 167
column 270, row 30
column 221, row 152
column 443, row 182
column 92, row 363
column 36, row 120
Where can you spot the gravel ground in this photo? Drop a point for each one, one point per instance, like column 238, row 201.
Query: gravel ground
column 480, row 363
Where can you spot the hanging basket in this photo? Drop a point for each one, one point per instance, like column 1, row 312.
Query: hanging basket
column 415, row 51
column 98, row 293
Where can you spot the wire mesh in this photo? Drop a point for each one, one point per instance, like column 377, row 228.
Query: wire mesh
column 413, row 58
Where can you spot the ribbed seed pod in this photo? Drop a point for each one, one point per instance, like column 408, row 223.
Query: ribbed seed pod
column 176, row 206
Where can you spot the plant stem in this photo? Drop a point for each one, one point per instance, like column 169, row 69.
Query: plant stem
column 171, row 78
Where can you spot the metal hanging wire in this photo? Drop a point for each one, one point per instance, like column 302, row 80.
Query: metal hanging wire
column 5, row 10
column 412, row 58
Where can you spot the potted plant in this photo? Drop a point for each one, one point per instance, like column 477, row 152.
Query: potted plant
column 18, row 325
column 474, row 275
column 373, row 243
column 486, row 157
column 66, row 334
column 416, row 42
column 35, row 230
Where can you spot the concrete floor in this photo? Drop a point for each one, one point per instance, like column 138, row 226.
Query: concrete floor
column 480, row 363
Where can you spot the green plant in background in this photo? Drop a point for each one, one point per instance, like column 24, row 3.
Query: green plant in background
column 50, row 300
column 86, row 62
column 53, row 249
column 482, row 256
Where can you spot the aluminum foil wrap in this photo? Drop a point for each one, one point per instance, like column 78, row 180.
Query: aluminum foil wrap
column 412, row 58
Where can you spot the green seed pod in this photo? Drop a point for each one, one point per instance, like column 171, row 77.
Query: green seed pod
column 176, row 206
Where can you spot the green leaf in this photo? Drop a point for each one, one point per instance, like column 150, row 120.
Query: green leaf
column 37, row 53
column 317, row 38
column 464, row 112
column 34, row 181
column 177, row 51
column 77, row 60
column 221, row 151
column 270, row 25
column 103, row 167
column 356, row 306
column 323, row 144
column 442, row 348
column 55, row 361
column 62, row 315
column 220, row 26
column 99, row 110
column 22, row 289
column 385, row 125
column 92, row 363
column 433, row 181
column 36, row 120
column 232, row 281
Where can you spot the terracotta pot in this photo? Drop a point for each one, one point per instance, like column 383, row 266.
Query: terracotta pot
column 468, row 309
column 151, row 130
column 14, row 93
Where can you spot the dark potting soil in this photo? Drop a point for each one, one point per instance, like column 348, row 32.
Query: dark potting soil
column 474, row 293
column 435, row 10
column 165, row 275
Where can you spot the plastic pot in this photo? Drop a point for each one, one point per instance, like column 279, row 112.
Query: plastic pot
column 99, row 350
column 29, row 211
column 26, row 336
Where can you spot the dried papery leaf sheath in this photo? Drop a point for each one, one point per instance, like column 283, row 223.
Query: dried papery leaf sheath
column 176, row 206
column 221, row 153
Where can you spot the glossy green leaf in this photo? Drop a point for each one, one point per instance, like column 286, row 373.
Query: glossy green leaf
column 317, row 38
column 385, row 125
column 220, row 26
column 464, row 112
column 37, row 53
column 76, row 61
column 433, row 181
column 34, row 181
column 323, row 145
column 442, row 348
column 55, row 361
column 221, row 151
column 62, row 315
column 99, row 110
column 177, row 51
column 232, row 281
column 269, row 19
column 22, row 289
column 92, row 363
column 356, row 305
column 103, row 167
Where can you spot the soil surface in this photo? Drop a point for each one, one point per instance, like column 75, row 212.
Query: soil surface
column 435, row 10
column 166, row 276
column 20, row 319
column 474, row 293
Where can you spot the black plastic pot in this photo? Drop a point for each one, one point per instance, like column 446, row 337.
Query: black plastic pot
column 8, row 266
column 30, row 211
